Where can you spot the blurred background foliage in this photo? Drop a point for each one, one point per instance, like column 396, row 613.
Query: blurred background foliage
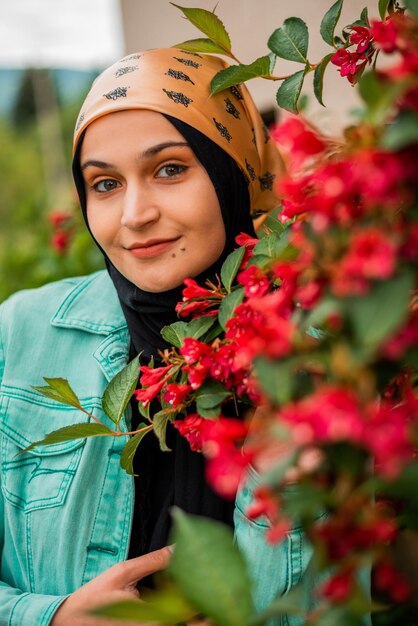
column 37, row 244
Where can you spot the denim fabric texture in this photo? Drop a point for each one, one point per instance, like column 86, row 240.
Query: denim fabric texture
column 66, row 509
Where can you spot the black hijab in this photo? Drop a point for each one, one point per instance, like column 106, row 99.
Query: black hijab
column 172, row 478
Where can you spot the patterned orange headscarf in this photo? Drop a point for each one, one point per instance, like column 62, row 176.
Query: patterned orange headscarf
column 175, row 82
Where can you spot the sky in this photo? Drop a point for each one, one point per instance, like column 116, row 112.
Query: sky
column 79, row 34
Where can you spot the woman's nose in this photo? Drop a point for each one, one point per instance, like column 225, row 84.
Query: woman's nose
column 139, row 208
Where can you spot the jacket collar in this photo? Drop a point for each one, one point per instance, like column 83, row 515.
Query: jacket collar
column 91, row 305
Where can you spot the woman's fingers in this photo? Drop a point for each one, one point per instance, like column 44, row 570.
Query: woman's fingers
column 129, row 572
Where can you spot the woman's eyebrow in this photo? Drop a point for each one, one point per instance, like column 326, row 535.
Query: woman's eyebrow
column 149, row 152
column 162, row 146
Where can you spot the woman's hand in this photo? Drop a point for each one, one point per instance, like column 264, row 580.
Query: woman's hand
column 115, row 584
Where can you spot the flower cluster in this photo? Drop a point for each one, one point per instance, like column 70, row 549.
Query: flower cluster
column 61, row 223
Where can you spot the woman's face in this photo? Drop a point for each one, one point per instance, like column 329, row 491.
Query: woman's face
column 151, row 205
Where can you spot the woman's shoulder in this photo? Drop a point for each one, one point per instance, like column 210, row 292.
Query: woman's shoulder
column 45, row 300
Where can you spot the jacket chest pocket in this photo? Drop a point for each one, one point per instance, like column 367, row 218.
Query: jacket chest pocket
column 40, row 478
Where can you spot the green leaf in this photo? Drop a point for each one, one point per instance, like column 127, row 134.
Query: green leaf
column 128, row 452
column 228, row 304
column 199, row 326
column 412, row 6
column 401, row 132
column 236, row 74
column 289, row 91
column 318, row 81
column 329, row 22
column 119, row 391
column 69, row 433
column 176, row 333
column 383, row 7
column 160, row 421
column 218, row 584
column 231, row 266
column 273, row 224
column 382, row 311
column 379, row 96
column 274, row 245
column 210, row 395
column 275, row 379
column 209, row 24
column 364, row 17
column 290, row 41
column 59, row 389
column 200, row 45
column 165, row 606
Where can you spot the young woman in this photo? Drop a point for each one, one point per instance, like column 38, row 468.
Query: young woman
column 167, row 177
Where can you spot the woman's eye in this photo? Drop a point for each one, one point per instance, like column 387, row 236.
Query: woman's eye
column 106, row 185
column 171, row 170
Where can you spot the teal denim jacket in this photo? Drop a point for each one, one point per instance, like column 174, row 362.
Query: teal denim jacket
column 66, row 509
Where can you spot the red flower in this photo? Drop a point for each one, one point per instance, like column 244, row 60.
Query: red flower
column 351, row 64
column 151, row 375
column 196, row 300
column 245, row 240
column 385, row 35
column 191, row 428
column 297, row 139
column 175, row 394
column 362, row 36
column 149, row 393
column 60, row 241
column 255, row 281
column 338, row 586
column 193, row 350
column 58, row 218
column 390, row 580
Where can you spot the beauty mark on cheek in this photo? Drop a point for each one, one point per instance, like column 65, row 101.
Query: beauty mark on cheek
column 173, row 256
column 183, row 249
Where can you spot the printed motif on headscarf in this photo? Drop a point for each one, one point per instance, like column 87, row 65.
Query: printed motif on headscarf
column 125, row 70
column 250, row 170
column 266, row 181
column 131, row 57
column 236, row 92
column 223, row 130
column 114, row 94
column 178, row 97
column 193, row 54
column 178, row 75
column 188, row 62
column 232, row 109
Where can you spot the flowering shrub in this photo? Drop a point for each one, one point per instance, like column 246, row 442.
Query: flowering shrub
column 316, row 324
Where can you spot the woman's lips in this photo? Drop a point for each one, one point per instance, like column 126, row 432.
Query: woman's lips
column 151, row 249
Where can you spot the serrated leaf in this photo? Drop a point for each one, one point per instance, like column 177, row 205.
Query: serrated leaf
column 401, row 132
column 381, row 313
column 119, row 391
column 176, row 333
column 200, row 45
column 218, row 584
column 318, row 81
column 160, row 421
column 210, row 395
column 228, row 304
column 209, row 24
column 379, row 96
column 128, row 452
column 236, row 74
column 165, row 606
column 59, row 389
column 275, row 379
column 412, row 6
column 199, row 326
column 290, row 41
column 329, row 22
column 288, row 93
column 364, row 16
column 231, row 266
column 70, row 433
column 272, row 224
column 383, row 7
